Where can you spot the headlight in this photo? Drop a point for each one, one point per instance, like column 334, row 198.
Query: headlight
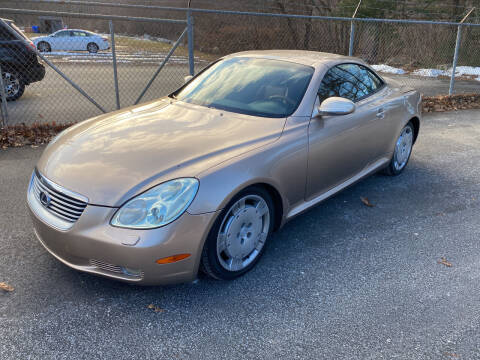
column 158, row 206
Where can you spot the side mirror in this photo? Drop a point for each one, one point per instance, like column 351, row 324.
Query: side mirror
column 187, row 78
column 336, row 106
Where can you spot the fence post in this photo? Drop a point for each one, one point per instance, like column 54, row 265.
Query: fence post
column 457, row 49
column 191, row 60
column 455, row 59
column 352, row 37
column 4, row 101
column 114, row 60
column 352, row 29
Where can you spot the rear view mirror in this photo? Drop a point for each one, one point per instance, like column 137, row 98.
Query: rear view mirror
column 336, row 106
column 187, row 78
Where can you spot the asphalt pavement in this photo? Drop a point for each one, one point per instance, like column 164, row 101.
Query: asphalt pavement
column 342, row 281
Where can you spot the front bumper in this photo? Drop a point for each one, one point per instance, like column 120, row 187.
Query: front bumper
column 92, row 245
column 35, row 73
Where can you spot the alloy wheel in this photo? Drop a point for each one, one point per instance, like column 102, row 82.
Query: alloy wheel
column 11, row 82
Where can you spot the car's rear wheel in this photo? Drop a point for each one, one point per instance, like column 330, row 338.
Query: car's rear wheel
column 92, row 48
column 44, row 47
column 237, row 239
column 402, row 152
column 13, row 84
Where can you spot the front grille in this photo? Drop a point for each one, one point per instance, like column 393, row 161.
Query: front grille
column 58, row 201
column 106, row 266
column 116, row 269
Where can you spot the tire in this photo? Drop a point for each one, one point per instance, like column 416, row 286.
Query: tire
column 238, row 237
column 402, row 152
column 43, row 46
column 92, row 48
column 14, row 85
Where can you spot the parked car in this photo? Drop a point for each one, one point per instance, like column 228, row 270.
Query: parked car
column 202, row 177
column 18, row 60
column 72, row 39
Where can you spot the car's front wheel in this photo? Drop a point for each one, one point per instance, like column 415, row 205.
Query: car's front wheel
column 402, row 152
column 44, row 47
column 238, row 237
column 92, row 48
column 13, row 84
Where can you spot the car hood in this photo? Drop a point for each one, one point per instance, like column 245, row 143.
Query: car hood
column 115, row 156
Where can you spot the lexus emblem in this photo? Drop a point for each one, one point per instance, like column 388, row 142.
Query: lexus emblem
column 45, row 199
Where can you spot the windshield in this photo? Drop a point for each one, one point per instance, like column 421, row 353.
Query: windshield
column 260, row 87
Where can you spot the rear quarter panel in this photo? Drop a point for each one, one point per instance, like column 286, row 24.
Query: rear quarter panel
column 404, row 104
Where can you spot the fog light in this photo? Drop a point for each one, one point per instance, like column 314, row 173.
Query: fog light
column 172, row 259
column 131, row 272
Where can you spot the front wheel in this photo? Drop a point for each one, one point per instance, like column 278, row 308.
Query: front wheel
column 402, row 152
column 44, row 47
column 92, row 48
column 238, row 237
column 13, row 84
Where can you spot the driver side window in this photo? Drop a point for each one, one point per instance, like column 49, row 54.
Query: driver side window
column 62, row 34
column 351, row 81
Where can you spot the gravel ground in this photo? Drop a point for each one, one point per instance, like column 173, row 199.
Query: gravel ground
column 343, row 281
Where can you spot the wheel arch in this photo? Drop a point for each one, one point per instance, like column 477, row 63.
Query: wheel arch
column 271, row 189
column 416, row 127
column 44, row 42
column 277, row 201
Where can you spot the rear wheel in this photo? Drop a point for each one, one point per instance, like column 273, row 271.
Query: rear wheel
column 92, row 48
column 14, row 85
column 237, row 239
column 402, row 152
column 44, row 47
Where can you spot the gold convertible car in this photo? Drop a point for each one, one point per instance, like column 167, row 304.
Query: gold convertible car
column 200, row 179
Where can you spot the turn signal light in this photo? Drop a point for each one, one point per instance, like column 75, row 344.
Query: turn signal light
column 172, row 259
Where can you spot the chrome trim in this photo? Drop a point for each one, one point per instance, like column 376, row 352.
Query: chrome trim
column 61, row 189
column 64, row 206
column 117, row 269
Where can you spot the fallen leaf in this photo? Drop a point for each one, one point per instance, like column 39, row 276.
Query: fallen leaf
column 443, row 261
column 6, row 287
column 366, row 201
column 451, row 354
column 155, row 308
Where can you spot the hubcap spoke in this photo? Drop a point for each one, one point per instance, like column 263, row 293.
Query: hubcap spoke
column 236, row 264
column 261, row 209
column 221, row 242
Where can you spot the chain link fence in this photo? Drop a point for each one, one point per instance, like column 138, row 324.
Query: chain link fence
column 99, row 63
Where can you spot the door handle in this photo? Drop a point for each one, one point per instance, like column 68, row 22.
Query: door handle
column 380, row 113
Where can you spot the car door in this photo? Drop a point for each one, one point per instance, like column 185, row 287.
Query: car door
column 79, row 40
column 342, row 146
column 61, row 40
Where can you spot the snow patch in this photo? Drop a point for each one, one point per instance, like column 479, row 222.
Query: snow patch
column 388, row 69
column 430, row 72
column 467, row 70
